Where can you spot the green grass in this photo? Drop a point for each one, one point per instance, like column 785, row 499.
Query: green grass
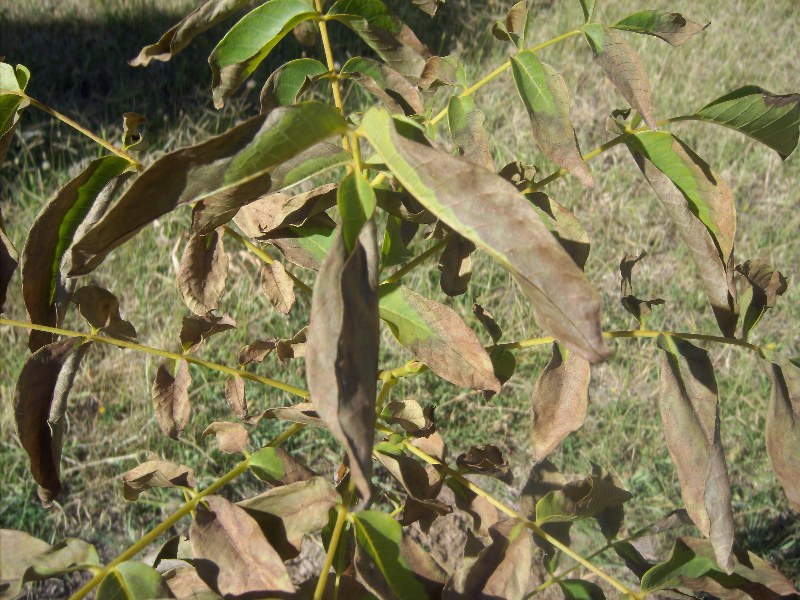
column 110, row 414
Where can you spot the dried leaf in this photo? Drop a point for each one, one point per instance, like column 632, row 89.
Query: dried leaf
column 455, row 265
column 235, row 396
column 396, row 92
column 783, row 428
column 171, row 397
column 637, row 307
column 484, row 514
column 671, row 27
column 196, row 329
column 304, row 412
column 203, row 271
column 231, row 437
column 256, row 352
column 515, row 27
column 767, row 284
column 485, row 459
column 559, row 402
column 278, row 210
column 278, row 467
column 308, row 245
column 294, row 347
column 442, row 70
column 564, row 225
column 156, row 473
column 469, row 134
column 8, row 261
column 416, row 479
column 277, row 286
column 100, row 308
column 410, row 415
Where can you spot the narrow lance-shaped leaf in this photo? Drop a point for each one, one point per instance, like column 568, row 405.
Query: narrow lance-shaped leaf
column 671, row 27
column 559, row 402
column 249, row 42
column 690, row 415
column 514, row 236
column 623, row 67
column 783, row 428
column 285, row 85
column 546, row 97
column 342, row 358
column 171, row 397
column 52, row 233
column 177, row 37
column 772, row 119
column 438, row 337
column 588, row 6
column 8, row 262
column 235, row 166
column 467, row 129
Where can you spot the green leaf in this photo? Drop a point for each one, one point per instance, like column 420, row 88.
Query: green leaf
column 438, row 337
column 44, row 288
column 249, row 42
column 469, row 135
column 356, row 202
column 233, row 169
column 623, row 67
column 267, row 464
column 671, row 27
column 515, row 27
column 389, row 37
column 14, row 79
column 380, row 537
column 689, row 408
column 771, row 119
column 177, row 37
column 394, row 250
column 131, row 581
column 580, row 499
column 308, row 245
column 577, row 589
column 783, row 427
column 588, row 7
column 546, row 97
column 289, row 81
column 396, row 92
column 461, row 195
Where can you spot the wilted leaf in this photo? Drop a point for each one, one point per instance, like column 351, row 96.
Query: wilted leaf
column 564, row 225
column 304, row 412
column 623, row 67
column 424, row 512
column 277, row 286
column 156, row 473
column 429, row 6
column 342, row 359
column 701, row 205
column 442, row 70
column 396, row 92
column 455, row 265
column 289, row 81
column 276, row 211
column 546, row 96
column 637, row 307
column 515, row 26
column 504, row 364
column 171, row 397
column 286, row 513
column 559, row 402
column 487, row 320
column 580, row 499
column 306, row 246
column 671, row 27
column 44, row 289
column 184, row 582
column 256, row 352
column 419, row 482
column 234, row 168
column 203, row 271
column 690, row 415
column 100, row 308
column 410, row 415
column 484, row 515
column 249, row 42
column 8, row 262
column 467, row 129
column 236, row 397
column 205, row 16
column 278, row 467
column 783, row 428
column 438, row 337
column 231, row 437
column 197, row 329
column 767, row 284
column 131, row 138
column 514, row 236
column 485, row 459
column 771, row 119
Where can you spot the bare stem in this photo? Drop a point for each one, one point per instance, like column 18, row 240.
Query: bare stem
column 341, row 519
column 326, row 44
column 413, row 263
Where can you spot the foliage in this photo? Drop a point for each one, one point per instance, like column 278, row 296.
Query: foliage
column 312, row 185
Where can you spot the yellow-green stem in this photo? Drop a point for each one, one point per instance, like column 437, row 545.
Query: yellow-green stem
column 413, row 263
column 326, row 45
column 159, row 352
column 341, row 519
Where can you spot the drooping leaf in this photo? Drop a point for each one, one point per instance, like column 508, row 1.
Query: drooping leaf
column 578, row 589
column 484, row 514
column 442, row 70
column 514, row 236
column 177, row 37
column 277, row 286
column 236, row 396
column 470, row 137
column 389, row 37
column 546, row 97
column 487, row 320
column 256, row 352
column 485, row 459
column 236, row 167
column 429, row 6
column 11, row 105
column 559, row 402
column 420, row 483
column 343, row 348
column 671, row 27
column 766, row 284
column 438, row 337
column 156, row 473
column 288, row 82
column 196, row 329
column 410, row 415
column 772, row 119
column 636, row 306
column 132, row 139
column 701, row 205
column 8, row 261
column 171, row 397
column 515, row 27
column 202, row 273
column 249, row 42
column 504, row 364
column 396, row 92
column 424, row 512
column 455, row 265
column 278, row 467
column 232, row 555
column 580, row 499
column 100, row 308
column 564, row 225
column 623, row 67
column 279, row 210
column 690, row 415
column 356, row 202
column 293, row 347
column 286, row 513
column 44, row 289
column 232, row 438
column 184, row 582
column 304, row 412
column 783, row 427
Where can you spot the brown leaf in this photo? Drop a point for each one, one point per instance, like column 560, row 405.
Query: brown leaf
column 690, row 415
column 469, row 134
column 40, row 400
column 559, row 402
column 171, row 397
column 419, row 482
column 8, row 262
column 783, row 428
column 483, row 513
column 256, row 352
column 767, row 284
column 286, row 513
column 635, row 306
column 543, row 479
column 184, row 582
column 232, row 437
column 277, row 286
column 306, row 246
column 432, row 444
column 671, row 27
column 442, row 70
column 564, row 225
column 196, row 329
column 293, row 347
column 156, row 473
column 100, row 308
column 235, row 396
column 424, row 512
column 232, row 555
column 455, row 265
column 410, row 415
column 276, row 211
column 342, row 360
column 487, row 320
column 396, row 92
column 202, row 273
column 304, row 412
column 485, row 459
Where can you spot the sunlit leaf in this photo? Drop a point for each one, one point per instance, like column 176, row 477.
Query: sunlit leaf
column 178, row 36
column 236, row 167
column 588, row 6
column 170, row 395
column 690, row 415
column 236, row 396
column 13, row 79
column 577, row 589
column 410, row 415
column 303, row 412
column 289, row 81
column 671, row 27
column 131, row 580
column 559, row 402
column 100, row 308
column 156, row 473
column 564, row 225
column 467, row 129
column 579, row 499
column 484, row 514
column 514, row 236
column 623, row 67
column 429, row 6
column 396, row 92
column 546, row 97
column 196, row 329
column 232, row 438
column 438, row 337
column 455, row 265
column 485, row 459
column 184, row 582
column 202, row 273
column 249, row 42
column 443, row 70
column 277, row 286
column 767, row 284
column 279, row 210
column 783, row 427
column 515, row 27
column 356, row 202
column 420, row 482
